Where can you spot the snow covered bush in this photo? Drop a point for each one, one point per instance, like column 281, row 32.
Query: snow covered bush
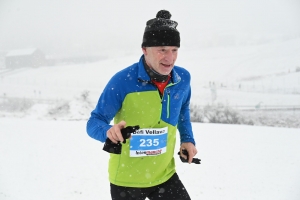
column 77, row 109
column 15, row 104
column 196, row 113
column 288, row 119
column 217, row 114
column 224, row 114
column 61, row 108
column 81, row 107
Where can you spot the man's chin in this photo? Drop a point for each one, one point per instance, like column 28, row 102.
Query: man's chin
column 166, row 70
column 167, row 73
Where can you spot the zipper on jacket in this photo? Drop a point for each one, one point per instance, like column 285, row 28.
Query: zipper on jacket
column 167, row 90
column 161, row 100
column 168, row 105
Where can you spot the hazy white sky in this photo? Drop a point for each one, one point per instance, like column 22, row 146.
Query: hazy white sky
column 90, row 25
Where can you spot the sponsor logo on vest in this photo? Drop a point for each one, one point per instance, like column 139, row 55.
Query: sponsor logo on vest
column 154, row 152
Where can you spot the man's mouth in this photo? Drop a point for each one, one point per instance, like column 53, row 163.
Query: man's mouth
column 165, row 65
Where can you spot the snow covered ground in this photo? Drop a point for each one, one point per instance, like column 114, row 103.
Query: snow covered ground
column 46, row 154
column 42, row 159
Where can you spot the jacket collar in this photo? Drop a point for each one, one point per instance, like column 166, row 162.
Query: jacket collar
column 143, row 76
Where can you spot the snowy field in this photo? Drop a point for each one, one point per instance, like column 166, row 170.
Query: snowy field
column 249, row 51
column 48, row 160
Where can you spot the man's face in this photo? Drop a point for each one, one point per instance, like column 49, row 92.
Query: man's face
column 161, row 59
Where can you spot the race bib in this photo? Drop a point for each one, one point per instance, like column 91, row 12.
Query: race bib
column 148, row 142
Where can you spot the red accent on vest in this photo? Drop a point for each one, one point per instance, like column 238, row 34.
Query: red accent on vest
column 161, row 85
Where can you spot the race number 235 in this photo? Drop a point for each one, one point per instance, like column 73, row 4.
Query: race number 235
column 149, row 142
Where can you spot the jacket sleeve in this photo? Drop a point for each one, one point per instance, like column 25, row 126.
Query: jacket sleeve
column 184, row 122
column 108, row 105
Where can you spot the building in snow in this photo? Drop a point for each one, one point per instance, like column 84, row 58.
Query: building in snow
column 25, row 58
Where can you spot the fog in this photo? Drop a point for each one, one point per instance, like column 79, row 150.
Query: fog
column 248, row 49
column 110, row 27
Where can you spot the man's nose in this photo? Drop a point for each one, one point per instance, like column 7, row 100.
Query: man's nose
column 169, row 56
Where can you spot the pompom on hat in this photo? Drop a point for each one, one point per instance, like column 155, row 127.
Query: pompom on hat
column 161, row 31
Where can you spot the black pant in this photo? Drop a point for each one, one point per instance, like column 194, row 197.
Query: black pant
column 172, row 189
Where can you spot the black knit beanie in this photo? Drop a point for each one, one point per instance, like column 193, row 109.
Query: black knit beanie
column 161, row 31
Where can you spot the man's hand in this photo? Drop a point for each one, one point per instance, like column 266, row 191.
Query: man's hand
column 114, row 133
column 191, row 149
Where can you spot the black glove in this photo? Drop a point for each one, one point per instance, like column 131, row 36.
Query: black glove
column 111, row 147
column 185, row 152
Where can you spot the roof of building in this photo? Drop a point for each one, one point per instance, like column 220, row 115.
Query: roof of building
column 21, row 52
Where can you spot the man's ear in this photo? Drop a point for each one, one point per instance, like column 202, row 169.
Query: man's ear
column 144, row 49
